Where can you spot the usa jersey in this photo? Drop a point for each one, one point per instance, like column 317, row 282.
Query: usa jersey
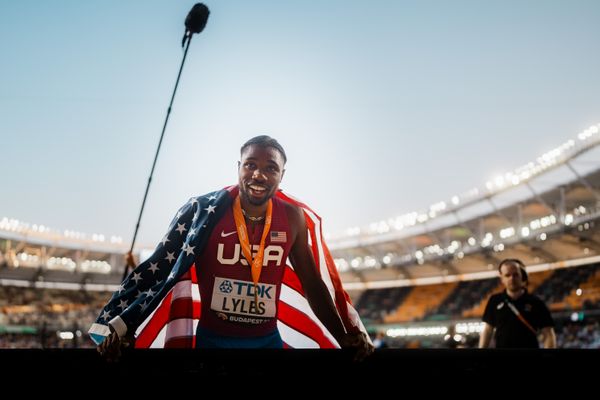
column 228, row 304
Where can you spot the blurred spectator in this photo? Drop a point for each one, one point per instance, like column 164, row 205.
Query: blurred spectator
column 380, row 341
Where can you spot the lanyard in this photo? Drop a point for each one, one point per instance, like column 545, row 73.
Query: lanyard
column 520, row 317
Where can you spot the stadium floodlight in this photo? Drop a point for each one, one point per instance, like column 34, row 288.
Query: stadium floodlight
column 568, row 219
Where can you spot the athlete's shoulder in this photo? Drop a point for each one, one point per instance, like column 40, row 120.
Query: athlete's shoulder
column 216, row 196
column 294, row 209
column 291, row 209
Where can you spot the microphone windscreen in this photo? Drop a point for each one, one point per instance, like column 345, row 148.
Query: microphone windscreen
column 196, row 18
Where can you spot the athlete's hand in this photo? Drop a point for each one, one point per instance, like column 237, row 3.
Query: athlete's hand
column 360, row 342
column 110, row 348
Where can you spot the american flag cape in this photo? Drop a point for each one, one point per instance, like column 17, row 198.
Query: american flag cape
column 161, row 300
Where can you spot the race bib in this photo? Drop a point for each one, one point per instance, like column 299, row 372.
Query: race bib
column 234, row 300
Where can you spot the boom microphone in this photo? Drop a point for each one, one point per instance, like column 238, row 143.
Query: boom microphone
column 195, row 21
column 197, row 17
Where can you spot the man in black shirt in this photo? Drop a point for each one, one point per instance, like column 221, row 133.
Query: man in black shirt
column 514, row 316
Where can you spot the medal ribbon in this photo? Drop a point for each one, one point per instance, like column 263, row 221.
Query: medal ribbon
column 255, row 263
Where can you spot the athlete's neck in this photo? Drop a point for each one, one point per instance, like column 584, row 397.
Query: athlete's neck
column 253, row 211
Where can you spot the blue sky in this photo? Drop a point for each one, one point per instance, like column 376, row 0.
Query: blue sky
column 384, row 107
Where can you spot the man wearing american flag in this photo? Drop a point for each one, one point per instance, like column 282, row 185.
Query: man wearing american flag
column 220, row 279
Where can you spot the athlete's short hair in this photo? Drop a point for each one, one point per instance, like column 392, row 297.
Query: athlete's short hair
column 265, row 141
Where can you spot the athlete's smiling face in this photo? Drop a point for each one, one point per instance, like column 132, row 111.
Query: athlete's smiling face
column 260, row 172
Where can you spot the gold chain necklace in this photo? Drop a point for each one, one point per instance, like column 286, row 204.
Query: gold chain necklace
column 251, row 218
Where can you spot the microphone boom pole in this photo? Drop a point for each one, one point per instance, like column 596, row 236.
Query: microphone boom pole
column 194, row 23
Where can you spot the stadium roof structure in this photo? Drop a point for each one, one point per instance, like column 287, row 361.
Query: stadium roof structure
column 545, row 213
column 36, row 255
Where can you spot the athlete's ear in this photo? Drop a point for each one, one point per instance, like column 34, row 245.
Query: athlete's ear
column 239, row 163
column 282, row 173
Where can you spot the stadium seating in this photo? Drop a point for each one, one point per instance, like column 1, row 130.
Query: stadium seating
column 419, row 301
